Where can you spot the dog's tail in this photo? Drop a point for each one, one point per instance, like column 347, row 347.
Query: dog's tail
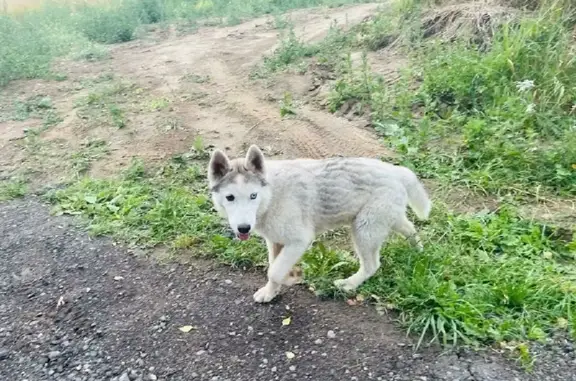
column 418, row 198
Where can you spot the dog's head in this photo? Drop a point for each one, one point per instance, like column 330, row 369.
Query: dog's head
column 239, row 189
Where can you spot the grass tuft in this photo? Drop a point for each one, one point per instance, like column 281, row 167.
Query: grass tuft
column 13, row 188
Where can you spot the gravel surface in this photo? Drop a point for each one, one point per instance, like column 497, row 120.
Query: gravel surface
column 82, row 309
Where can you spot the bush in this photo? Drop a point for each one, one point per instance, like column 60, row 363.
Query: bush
column 108, row 25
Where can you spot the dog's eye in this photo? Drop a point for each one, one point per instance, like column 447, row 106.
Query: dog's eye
column 230, row 197
column 253, row 196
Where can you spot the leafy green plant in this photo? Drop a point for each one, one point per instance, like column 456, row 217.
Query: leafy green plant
column 13, row 188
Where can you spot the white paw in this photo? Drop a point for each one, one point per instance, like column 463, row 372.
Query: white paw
column 345, row 285
column 265, row 294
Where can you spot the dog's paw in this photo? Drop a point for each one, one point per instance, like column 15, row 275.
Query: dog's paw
column 344, row 285
column 265, row 294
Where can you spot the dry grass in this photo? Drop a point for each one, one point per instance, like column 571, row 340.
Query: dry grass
column 479, row 20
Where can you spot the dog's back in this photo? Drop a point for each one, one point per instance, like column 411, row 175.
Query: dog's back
column 331, row 192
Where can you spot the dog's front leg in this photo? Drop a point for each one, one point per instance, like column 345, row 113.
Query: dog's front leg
column 295, row 274
column 274, row 250
column 279, row 270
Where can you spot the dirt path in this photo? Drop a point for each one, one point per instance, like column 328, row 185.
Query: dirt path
column 75, row 308
column 205, row 79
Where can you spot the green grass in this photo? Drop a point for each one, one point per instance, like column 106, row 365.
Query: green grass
column 482, row 278
column 169, row 208
column 108, row 101
column 82, row 160
column 13, row 188
column 30, row 41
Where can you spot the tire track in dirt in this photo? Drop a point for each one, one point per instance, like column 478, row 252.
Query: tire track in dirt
column 226, row 56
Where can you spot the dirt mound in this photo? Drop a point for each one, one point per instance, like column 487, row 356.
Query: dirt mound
column 475, row 20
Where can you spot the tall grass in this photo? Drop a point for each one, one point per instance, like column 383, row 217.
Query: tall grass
column 502, row 117
column 30, row 40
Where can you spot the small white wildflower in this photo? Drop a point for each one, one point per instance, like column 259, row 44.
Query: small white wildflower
column 524, row 85
column 530, row 108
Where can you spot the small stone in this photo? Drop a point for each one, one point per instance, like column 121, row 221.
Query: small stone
column 228, row 281
column 152, row 377
column 134, row 374
column 124, row 377
column 274, row 369
column 331, row 334
column 200, row 352
column 54, row 355
column 318, row 341
column 292, row 368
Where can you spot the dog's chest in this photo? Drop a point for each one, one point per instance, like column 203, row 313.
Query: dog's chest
column 278, row 230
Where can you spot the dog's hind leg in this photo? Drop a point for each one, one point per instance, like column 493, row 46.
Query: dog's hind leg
column 295, row 275
column 407, row 229
column 368, row 233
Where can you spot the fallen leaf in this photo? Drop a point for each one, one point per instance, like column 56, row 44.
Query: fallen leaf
column 287, row 321
column 186, row 328
column 360, row 298
column 290, row 355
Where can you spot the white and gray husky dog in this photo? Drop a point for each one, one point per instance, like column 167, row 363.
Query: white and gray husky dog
column 289, row 202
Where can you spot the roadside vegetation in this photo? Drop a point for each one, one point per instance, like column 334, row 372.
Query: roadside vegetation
column 487, row 102
column 30, row 40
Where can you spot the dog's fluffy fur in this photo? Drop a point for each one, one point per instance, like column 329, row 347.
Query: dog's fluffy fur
column 289, row 202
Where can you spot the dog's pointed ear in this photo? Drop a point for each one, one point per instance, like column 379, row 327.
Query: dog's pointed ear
column 255, row 160
column 218, row 167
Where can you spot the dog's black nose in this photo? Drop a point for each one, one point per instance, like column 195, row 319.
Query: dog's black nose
column 244, row 229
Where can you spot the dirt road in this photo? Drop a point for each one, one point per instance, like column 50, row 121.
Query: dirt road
column 76, row 308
